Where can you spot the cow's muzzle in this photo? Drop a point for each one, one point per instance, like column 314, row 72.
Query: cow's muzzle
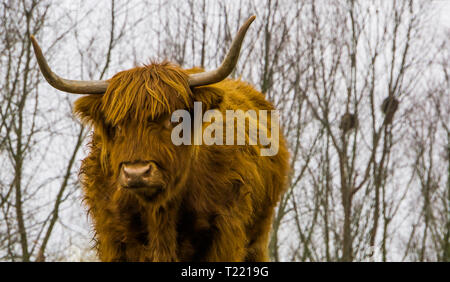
column 141, row 175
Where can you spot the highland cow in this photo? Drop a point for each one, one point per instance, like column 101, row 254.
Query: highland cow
column 151, row 200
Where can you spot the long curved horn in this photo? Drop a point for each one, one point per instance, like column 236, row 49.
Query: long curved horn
column 228, row 63
column 67, row 85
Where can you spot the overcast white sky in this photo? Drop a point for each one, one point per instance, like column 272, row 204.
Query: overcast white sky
column 444, row 7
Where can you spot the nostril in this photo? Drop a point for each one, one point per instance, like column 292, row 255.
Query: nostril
column 147, row 171
column 125, row 172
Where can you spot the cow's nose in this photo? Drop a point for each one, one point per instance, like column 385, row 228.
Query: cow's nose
column 135, row 174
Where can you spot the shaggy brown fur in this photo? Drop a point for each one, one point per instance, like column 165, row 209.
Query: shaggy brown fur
column 219, row 200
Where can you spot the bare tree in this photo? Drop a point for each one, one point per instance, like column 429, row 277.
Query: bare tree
column 428, row 239
column 28, row 223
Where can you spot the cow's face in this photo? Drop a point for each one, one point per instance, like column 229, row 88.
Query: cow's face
column 131, row 113
column 132, row 125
